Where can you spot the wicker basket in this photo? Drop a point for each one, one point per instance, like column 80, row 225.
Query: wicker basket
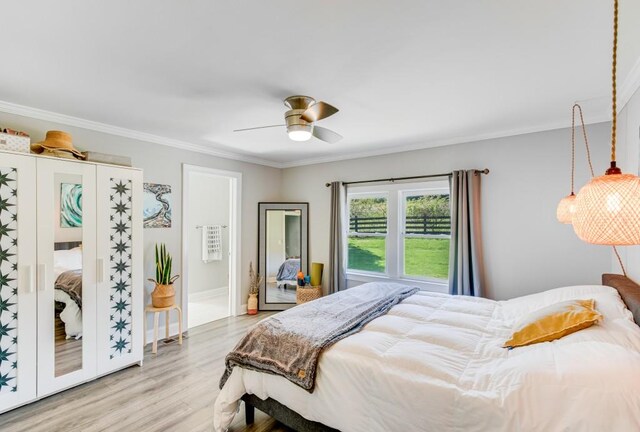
column 308, row 293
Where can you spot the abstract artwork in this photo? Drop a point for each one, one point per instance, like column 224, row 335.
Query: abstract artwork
column 157, row 205
column 120, row 267
column 70, row 205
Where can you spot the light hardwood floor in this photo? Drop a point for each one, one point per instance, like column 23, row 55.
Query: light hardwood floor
column 68, row 351
column 280, row 295
column 173, row 391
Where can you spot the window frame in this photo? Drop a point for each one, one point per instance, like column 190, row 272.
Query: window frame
column 394, row 250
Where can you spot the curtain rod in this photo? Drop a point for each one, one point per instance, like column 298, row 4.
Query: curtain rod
column 392, row 179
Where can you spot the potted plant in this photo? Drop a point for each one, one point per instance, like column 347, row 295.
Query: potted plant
column 163, row 294
column 254, row 285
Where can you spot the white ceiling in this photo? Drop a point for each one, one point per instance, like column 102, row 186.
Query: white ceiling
column 403, row 74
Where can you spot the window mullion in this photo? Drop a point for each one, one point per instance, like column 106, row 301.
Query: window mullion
column 401, row 234
column 392, row 236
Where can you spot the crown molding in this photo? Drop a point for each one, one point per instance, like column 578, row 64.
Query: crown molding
column 39, row 114
column 630, row 85
column 441, row 143
column 627, row 90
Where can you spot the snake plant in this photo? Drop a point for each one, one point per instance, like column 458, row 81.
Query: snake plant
column 163, row 266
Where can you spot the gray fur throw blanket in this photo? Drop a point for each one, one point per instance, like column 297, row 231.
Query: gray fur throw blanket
column 289, row 343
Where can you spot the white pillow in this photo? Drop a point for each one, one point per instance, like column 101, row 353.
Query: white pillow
column 65, row 260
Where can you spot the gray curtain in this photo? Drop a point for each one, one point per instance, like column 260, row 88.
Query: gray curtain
column 337, row 239
column 466, row 273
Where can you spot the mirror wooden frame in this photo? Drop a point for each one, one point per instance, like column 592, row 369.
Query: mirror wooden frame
column 263, row 207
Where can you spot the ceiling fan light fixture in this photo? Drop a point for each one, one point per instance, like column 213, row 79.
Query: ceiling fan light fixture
column 300, row 132
column 301, row 117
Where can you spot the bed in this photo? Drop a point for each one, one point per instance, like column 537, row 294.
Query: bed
column 67, row 270
column 436, row 362
column 288, row 273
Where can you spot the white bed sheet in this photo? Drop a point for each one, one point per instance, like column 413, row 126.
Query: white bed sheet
column 71, row 315
column 65, row 260
column 435, row 362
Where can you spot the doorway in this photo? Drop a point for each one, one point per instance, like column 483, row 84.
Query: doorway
column 210, row 244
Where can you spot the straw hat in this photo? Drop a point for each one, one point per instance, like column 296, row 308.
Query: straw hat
column 57, row 141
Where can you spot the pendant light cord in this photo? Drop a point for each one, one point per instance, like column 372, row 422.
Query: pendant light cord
column 573, row 163
column 573, row 146
column 586, row 141
column 624, row 271
column 573, row 143
column 614, row 107
column 614, row 64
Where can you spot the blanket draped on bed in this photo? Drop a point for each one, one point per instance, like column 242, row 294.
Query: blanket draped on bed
column 289, row 270
column 71, row 283
column 289, row 343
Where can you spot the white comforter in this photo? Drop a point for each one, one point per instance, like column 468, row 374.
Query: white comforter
column 435, row 363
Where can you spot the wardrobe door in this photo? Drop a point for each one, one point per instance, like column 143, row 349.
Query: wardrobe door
column 66, row 274
column 17, row 280
column 120, row 305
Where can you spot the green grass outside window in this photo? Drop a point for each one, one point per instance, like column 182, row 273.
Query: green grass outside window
column 424, row 257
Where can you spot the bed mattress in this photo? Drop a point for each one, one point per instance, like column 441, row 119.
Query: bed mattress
column 436, row 362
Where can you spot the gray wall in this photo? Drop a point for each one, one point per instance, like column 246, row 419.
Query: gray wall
column 628, row 158
column 162, row 164
column 526, row 249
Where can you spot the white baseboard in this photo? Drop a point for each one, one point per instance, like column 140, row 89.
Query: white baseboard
column 243, row 309
column 173, row 331
column 208, row 294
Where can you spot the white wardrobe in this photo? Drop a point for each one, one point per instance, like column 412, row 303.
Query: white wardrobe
column 71, row 290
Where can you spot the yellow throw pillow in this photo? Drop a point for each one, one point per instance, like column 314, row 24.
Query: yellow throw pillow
column 553, row 322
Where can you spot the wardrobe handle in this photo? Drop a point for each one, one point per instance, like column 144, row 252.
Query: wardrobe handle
column 100, row 265
column 42, row 277
column 28, row 278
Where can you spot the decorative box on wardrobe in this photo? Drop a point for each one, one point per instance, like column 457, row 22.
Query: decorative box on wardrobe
column 71, row 290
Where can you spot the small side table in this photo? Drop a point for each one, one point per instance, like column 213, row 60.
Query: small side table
column 156, row 318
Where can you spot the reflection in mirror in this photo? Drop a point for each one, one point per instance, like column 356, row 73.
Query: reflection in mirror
column 67, row 273
column 283, row 246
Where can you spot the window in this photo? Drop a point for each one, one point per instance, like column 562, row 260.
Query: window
column 368, row 232
column 400, row 231
column 426, row 234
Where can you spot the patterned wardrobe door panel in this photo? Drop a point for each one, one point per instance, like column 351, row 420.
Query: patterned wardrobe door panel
column 120, row 221
column 8, row 279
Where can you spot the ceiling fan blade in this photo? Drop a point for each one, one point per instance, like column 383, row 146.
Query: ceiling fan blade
column 318, row 111
column 326, row 135
column 258, row 127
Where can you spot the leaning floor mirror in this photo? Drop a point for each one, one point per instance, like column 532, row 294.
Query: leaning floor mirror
column 283, row 230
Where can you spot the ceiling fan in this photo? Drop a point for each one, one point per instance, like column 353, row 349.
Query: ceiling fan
column 300, row 120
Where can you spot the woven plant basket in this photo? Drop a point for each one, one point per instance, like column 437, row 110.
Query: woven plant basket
column 163, row 296
column 308, row 293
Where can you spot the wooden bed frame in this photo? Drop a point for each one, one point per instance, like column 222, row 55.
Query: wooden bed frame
column 629, row 292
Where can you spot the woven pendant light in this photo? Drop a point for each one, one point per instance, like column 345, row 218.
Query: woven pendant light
column 607, row 209
column 566, row 209
column 567, row 205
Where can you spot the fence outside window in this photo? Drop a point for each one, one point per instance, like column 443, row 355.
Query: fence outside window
column 414, row 225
